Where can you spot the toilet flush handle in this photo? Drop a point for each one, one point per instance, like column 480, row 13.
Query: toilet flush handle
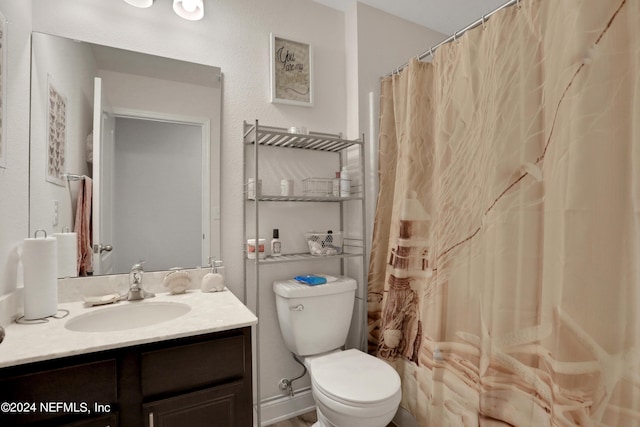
column 298, row 307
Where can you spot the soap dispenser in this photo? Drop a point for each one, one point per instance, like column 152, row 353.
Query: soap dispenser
column 214, row 280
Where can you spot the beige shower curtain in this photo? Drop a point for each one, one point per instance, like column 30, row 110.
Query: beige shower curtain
column 504, row 277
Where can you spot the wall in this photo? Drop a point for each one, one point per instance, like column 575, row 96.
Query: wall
column 14, row 179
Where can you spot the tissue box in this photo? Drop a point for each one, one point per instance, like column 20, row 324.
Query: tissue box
column 324, row 244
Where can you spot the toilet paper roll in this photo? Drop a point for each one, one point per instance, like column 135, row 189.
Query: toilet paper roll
column 67, row 254
column 40, row 264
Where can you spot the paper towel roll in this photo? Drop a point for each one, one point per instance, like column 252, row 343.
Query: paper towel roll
column 40, row 264
column 67, row 254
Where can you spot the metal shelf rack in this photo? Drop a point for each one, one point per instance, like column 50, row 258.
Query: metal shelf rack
column 255, row 137
column 281, row 137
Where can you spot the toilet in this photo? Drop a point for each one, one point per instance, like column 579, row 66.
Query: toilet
column 350, row 388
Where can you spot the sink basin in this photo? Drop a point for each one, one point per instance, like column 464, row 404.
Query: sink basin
column 128, row 316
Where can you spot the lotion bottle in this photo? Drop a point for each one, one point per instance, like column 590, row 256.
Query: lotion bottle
column 276, row 246
column 345, row 184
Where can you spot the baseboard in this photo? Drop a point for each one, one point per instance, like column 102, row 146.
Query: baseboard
column 403, row 418
column 282, row 408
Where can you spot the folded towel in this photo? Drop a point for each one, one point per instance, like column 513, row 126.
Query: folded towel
column 311, row 279
column 102, row 299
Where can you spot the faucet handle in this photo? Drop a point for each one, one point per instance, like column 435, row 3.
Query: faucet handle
column 135, row 275
column 138, row 266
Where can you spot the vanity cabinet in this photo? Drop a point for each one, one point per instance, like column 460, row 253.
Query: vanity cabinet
column 181, row 382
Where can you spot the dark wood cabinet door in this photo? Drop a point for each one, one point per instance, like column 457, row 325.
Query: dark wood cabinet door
column 217, row 406
column 110, row 420
column 56, row 393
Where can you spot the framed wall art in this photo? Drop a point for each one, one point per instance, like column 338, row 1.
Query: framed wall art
column 56, row 134
column 291, row 72
column 3, row 91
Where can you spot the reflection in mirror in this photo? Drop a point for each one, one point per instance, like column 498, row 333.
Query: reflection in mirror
column 125, row 151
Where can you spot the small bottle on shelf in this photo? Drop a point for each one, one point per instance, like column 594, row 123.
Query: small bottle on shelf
column 276, row 245
column 345, row 183
column 336, row 185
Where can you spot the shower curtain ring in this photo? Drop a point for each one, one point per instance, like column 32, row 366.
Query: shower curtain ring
column 484, row 22
column 431, row 52
column 518, row 4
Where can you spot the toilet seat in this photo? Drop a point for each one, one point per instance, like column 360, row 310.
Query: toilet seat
column 354, row 378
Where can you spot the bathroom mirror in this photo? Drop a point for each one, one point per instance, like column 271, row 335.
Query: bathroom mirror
column 146, row 131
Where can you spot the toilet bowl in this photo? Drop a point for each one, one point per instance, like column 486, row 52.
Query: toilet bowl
column 350, row 388
column 353, row 389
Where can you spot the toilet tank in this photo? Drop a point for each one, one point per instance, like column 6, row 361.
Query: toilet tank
column 315, row 319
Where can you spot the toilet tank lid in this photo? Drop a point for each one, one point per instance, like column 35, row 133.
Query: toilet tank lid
column 293, row 289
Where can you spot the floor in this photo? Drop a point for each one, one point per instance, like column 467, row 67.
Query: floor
column 304, row 420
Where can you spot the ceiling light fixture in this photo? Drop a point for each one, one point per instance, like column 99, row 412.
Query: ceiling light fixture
column 140, row 3
column 193, row 10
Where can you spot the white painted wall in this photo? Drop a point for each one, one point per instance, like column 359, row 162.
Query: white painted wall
column 157, row 207
column 14, row 179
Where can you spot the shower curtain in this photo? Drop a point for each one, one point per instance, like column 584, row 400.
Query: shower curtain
column 504, row 275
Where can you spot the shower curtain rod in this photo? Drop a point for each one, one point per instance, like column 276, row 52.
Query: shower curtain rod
column 455, row 35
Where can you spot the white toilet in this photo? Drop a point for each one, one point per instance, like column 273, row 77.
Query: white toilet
column 350, row 388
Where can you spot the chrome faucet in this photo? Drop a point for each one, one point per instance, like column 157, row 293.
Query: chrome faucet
column 136, row 292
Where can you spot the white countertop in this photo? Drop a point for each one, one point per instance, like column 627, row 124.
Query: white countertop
column 210, row 312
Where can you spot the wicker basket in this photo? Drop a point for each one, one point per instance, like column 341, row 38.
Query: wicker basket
column 323, row 244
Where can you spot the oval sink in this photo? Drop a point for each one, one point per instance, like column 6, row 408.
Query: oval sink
column 128, row 316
